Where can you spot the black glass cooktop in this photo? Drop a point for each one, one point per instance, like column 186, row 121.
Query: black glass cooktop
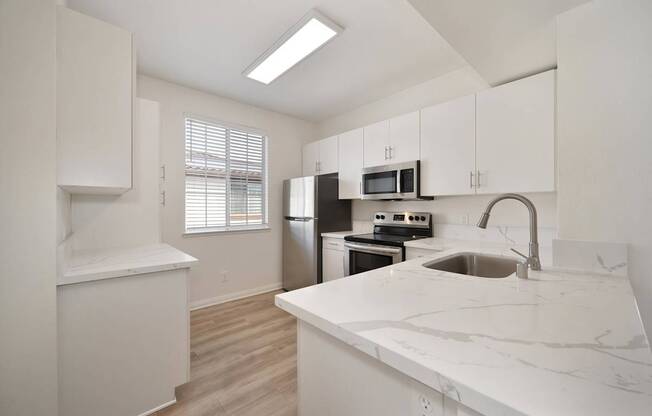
column 383, row 239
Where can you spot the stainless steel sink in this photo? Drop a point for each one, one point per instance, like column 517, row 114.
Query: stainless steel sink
column 474, row 264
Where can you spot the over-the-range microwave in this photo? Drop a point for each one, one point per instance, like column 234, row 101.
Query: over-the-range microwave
column 393, row 182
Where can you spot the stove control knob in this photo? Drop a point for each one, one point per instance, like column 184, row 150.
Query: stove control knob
column 377, row 217
column 423, row 218
column 382, row 217
column 410, row 218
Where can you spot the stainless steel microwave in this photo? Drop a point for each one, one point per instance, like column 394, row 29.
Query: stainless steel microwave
column 398, row 181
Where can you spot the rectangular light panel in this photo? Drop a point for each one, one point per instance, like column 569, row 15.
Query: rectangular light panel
column 307, row 36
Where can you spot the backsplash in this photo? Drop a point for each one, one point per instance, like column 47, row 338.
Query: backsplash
column 455, row 217
column 594, row 256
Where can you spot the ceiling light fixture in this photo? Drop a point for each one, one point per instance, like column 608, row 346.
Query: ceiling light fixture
column 312, row 32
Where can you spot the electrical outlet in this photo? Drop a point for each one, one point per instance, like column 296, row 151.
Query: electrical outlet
column 426, row 405
column 425, row 400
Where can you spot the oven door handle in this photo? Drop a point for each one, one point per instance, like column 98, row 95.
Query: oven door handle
column 373, row 248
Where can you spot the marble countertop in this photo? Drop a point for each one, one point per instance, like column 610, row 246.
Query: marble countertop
column 90, row 265
column 339, row 234
column 559, row 343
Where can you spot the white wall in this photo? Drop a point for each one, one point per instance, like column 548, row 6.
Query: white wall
column 605, row 120
column 437, row 90
column 28, row 344
column 454, row 210
column 130, row 219
column 251, row 260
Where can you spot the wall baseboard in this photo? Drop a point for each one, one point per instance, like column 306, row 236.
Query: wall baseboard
column 157, row 408
column 205, row 303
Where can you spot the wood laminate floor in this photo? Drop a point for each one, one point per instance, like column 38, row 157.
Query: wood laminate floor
column 242, row 362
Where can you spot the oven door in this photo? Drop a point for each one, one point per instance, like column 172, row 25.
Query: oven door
column 360, row 257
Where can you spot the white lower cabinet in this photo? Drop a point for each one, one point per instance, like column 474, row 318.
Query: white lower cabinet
column 119, row 336
column 332, row 263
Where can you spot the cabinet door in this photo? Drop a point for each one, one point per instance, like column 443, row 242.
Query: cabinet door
column 310, row 158
column 515, row 138
column 328, row 155
column 351, row 162
column 95, row 70
column 404, row 138
column 376, row 140
column 332, row 264
column 448, row 148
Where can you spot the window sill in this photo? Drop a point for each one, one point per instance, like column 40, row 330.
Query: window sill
column 230, row 230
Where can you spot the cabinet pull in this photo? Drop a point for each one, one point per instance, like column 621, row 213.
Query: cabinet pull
column 471, row 174
column 390, row 148
column 385, row 152
column 478, row 178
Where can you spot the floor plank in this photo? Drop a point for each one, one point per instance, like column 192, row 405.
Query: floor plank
column 243, row 361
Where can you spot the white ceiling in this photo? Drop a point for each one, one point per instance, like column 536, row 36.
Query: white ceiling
column 386, row 47
column 502, row 39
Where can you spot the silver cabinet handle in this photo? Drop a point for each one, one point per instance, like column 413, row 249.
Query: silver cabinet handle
column 471, row 175
column 390, row 148
column 360, row 187
column 385, row 152
column 477, row 174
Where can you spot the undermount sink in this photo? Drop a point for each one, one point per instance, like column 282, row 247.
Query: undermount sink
column 474, row 264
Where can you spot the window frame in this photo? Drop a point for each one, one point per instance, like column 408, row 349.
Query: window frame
column 265, row 188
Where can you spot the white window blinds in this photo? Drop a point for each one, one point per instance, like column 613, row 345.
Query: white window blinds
column 225, row 178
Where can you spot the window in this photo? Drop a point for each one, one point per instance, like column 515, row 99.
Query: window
column 225, row 178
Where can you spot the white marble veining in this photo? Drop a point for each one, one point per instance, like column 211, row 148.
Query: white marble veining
column 515, row 235
column 594, row 256
column 88, row 265
column 559, row 343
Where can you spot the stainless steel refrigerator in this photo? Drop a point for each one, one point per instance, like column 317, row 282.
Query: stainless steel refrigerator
column 310, row 207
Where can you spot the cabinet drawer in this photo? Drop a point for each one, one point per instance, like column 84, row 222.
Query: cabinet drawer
column 333, row 244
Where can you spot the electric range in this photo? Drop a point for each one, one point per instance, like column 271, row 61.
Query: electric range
column 386, row 245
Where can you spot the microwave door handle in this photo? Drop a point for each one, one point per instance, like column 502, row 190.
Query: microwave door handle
column 398, row 181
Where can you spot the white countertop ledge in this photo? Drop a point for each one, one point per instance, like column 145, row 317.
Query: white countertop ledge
column 559, row 343
column 90, row 265
column 339, row 234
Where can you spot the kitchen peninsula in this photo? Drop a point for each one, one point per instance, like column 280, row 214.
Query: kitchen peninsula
column 406, row 337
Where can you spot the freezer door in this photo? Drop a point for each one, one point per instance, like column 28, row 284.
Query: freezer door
column 300, row 253
column 299, row 197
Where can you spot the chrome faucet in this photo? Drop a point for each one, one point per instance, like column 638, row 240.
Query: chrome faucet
column 533, row 259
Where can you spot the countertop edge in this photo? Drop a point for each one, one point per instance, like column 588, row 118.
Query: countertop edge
column 431, row 378
column 70, row 276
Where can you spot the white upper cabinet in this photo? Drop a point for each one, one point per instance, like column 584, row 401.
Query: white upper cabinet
column 95, row 80
column 311, row 159
column 392, row 141
column 320, row 157
column 328, row 155
column 351, row 163
column 515, row 138
column 376, row 144
column 404, row 138
column 448, row 148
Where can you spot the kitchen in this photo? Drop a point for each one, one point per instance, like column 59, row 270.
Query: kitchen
column 437, row 208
